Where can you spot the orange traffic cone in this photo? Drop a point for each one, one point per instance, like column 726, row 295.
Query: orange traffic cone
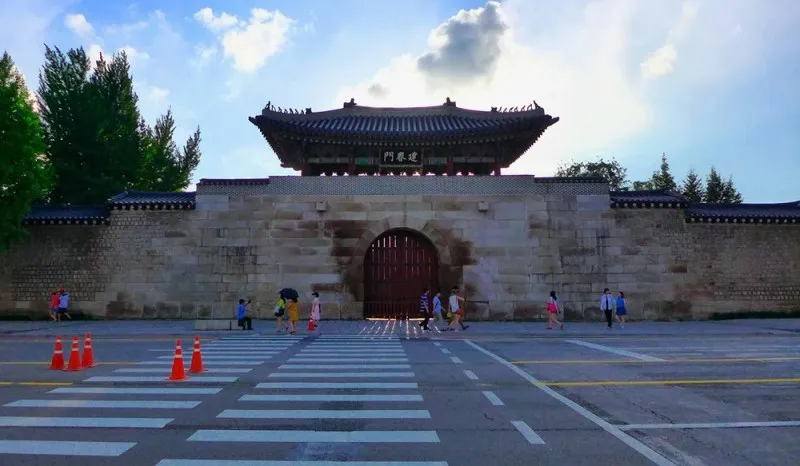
column 88, row 354
column 58, row 356
column 197, row 358
column 178, row 371
column 74, row 357
column 311, row 325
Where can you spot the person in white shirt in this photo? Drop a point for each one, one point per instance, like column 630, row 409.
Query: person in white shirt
column 607, row 305
column 456, row 307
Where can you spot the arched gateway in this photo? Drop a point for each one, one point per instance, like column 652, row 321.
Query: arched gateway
column 397, row 266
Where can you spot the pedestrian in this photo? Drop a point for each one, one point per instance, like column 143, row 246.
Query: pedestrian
column 437, row 309
column 315, row 308
column 424, row 308
column 63, row 304
column 241, row 314
column 294, row 315
column 607, row 305
column 53, row 305
column 622, row 310
column 552, row 312
column 280, row 312
column 456, row 307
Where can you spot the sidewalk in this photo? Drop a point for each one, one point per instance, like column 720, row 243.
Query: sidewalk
column 161, row 328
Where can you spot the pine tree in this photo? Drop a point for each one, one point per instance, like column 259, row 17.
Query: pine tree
column 692, row 187
column 167, row 167
column 25, row 175
column 715, row 187
column 662, row 178
column 729, row 193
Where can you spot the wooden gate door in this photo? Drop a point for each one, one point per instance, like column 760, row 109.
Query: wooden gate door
column 398, row 265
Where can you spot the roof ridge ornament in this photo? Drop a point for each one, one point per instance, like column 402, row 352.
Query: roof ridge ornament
column 351, row 104
column 449, row 103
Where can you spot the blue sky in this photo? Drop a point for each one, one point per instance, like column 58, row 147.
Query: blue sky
column 708, row 82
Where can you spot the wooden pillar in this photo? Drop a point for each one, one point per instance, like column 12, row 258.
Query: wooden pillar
column 497, row 167
column 351, row 167
column 451, row 166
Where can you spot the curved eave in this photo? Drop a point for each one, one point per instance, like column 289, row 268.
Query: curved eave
column 649, row 204
column 510, row 128
column 154, row 206
column 66, row 221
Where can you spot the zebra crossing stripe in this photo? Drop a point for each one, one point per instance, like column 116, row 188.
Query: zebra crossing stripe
column 344, row 366
column 215, row 362
column 331, row 398
column 169, row 462
column 136, row 391
column 135, row 379
column 338, row 385
column 338, row 375
column 211, row 370
column 324, row 414
column 63, row 448
column 104, row 404
column 104, row 422
column 311, row 436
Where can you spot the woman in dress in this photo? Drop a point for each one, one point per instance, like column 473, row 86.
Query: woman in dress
column 315, row 308
column 293, row 315
column 552, row 312
column 621, row 309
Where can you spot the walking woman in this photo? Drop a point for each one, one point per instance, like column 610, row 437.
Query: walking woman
column 552, row 312
column 294, row 314
column 621, row 309
column 280, row 311
column 315, row 314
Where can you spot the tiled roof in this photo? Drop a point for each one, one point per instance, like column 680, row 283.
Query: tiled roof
column 648, row 199
column 67, row 215
column 788, row 212
column 152, row 200
column 435, row 124
column 234, row 181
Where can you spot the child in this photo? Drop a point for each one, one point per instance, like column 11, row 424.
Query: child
column 621, row 311
column 63, row 304
column 552, row 312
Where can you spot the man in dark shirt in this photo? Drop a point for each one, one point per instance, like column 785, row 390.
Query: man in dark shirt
column 424, row 307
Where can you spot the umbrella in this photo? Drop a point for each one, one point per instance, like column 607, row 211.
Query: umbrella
column 289, row 293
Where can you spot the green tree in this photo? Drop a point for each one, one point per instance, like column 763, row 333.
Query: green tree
column 730, row 195
column 167, row 168
column 662, row 178
column 609, row 170
column 715, row 187
column 25, row 175
column 692, row 187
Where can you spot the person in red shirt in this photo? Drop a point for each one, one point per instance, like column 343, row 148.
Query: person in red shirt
column 53, row 305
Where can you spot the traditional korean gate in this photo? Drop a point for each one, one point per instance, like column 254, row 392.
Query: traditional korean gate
column 398, row 265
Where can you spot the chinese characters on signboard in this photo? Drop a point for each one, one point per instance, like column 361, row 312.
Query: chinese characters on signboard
column 401, row 158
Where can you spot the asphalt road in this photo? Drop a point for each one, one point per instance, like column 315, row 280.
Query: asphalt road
column 403, row 398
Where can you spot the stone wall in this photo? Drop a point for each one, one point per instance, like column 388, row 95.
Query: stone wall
column 250, row 242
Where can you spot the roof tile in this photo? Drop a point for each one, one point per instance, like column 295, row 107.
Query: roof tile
column 648, row 198
column 788, row 211
column 169, row 200
column 48, row 214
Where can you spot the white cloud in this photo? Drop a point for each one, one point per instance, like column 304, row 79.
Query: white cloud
column 203, row 55
column 577, row 71
column 94, row 53
column 79, row 25
column 156, row 95
column 249, row 43
column 133, row 54
column 660, row 62
column 128, row 28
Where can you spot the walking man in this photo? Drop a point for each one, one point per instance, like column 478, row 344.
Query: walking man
column 437, row 309
column 63, row 304
column 607, row 305
column 425, row 309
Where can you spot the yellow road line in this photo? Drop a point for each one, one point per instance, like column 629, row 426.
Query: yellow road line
column 39, row 363
column 638, row 361
column 672, row 382
column 37, row 384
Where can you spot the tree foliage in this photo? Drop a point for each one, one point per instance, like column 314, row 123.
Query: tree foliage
column 97, row 140
column 715, row 187
column 609, row 170
column 25, row 175
column 692, row 187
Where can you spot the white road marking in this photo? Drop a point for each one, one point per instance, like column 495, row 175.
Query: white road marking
column 456, row 360
column 711, row 425
column 471, row 375
column 324, row 414
column 311, row 436
column 103, row 404
column 436, row 343
column 63, row 448
column 169, row 462
column 121, row 422
column 215, row 362
column 259, row 359
column 528, row 433
column 640, row 447
column 349, row 359
column 338, row 375
column 494, row 399
column 620, row 352
column 354, row 351
column 445, row 351
column 344, row 366
column 326, row 397
column 136, row 379
column 338, row 385
column 136, row 391
column 210, row 370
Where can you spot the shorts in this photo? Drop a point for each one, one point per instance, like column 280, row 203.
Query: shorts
column 621, row 311
column 53, row 310
column 62, row 310
column 460, row 312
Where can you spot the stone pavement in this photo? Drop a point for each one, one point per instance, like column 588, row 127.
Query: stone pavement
column 387, row 394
